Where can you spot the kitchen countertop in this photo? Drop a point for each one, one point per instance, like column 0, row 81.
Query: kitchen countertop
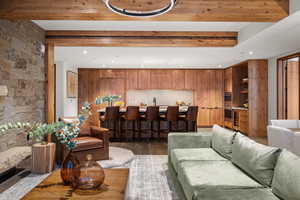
column 143, row 109
column 239, row 108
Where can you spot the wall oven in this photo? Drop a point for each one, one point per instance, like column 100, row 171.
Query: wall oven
column 227, row 99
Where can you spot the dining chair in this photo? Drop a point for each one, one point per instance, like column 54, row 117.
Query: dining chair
column 190, row 119
column 150, row 122
column 171, row 118
column 131, row 122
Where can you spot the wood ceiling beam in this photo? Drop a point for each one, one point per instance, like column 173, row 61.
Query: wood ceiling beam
column 185, row 10
column 141, row 39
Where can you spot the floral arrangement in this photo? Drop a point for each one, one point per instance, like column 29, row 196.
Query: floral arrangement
column 85, row 109
column 37, row 131
column 66, row 134
column 109, row 99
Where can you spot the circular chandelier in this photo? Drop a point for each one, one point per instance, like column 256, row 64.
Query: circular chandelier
column 136, row 13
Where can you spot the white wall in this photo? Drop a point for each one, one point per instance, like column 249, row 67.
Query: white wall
column 272, row 81
column 64, row 106
column 294, row 6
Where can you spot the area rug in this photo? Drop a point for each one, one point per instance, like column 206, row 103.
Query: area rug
column 148, row 180
column 118, row 157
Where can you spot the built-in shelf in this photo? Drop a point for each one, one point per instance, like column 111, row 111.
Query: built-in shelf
column 244, row 92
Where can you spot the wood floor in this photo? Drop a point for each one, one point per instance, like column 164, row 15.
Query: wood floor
column 144, row 148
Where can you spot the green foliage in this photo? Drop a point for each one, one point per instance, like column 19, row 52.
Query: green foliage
column 67, row 133
column 38, row 131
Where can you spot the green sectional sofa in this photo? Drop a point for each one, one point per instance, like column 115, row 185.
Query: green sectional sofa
column 224, row 165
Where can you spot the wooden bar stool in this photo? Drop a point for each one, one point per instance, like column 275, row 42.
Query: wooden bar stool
column 171, row 117
column 132, row 121
column 112, row 120
column 190, row 119
column 149, row 121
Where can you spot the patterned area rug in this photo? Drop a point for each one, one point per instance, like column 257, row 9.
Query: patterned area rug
column 148, row 180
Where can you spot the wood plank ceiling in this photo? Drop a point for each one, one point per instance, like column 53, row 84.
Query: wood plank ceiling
column 141, row 38
column 185, row 10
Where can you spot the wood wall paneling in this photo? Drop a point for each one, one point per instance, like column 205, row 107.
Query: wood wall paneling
column 258, row 97
column 188, row 10
column 50, row 83
column 83, row 87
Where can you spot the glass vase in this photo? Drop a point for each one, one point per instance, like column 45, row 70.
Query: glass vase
column 67, row 168
column 89, row 175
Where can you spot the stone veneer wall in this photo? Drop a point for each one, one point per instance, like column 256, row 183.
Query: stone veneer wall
column 22, row 69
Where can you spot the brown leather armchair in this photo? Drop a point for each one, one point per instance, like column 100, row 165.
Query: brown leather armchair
column 91, row 140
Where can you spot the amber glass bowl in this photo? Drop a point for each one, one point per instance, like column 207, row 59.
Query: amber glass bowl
column 89, row 175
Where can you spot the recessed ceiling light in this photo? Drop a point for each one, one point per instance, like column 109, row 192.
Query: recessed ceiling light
column 250, row 52
column 220, row 66
column 85, row 52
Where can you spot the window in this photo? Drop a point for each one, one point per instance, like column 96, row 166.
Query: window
column 288, row 95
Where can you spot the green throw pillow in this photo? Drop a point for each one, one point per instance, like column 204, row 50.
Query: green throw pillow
column 286, row 181
column 255, row 159
column 222, row 141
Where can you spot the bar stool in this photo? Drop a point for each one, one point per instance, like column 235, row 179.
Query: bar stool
column 132, row 121
column 112, row 120
column 190, row 118
column 171, row 117
column 151, row 117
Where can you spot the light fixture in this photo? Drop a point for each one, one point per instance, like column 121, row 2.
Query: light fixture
column 250, row 52
column 136, row 13
column 220, row 66
column 3, row 90
column 85, row 52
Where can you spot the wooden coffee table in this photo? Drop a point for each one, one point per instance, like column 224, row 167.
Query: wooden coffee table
column 52, row 188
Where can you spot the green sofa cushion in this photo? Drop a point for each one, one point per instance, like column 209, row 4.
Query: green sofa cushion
column 180, row 155
column 236, row 194
column 222, row 140
column 202, row 175
column 189, row 140
column 255, row 159
column 286, row 181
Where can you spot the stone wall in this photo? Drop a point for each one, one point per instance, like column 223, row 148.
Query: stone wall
column 22, row 69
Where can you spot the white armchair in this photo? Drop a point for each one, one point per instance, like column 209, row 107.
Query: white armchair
column 296, row 144
column 284, row 138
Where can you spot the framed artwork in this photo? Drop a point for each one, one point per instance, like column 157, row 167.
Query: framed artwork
column 72, row 84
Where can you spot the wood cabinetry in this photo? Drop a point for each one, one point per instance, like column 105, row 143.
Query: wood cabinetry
column 132, row 79
column 190, row 80
column 228, row 80
column 241, row 121
column 210, row 86
column 144, row 79
column 249, row 87
column 160, row 79
column 207, row 86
